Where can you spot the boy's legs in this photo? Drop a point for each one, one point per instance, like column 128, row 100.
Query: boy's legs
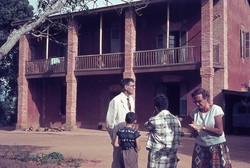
column 130, row 158
column 117, row 158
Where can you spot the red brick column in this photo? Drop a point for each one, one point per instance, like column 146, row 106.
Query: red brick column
column 220, row 39
column 22, row 112
column 130, row 43
column 70, row 77
column 207, row 70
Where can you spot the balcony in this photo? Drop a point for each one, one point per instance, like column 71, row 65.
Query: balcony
column 99, row 64
column 181, row 58
column 174, row 59
column 46, row 67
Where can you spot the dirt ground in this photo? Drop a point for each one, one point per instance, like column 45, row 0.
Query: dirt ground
column 93, row 146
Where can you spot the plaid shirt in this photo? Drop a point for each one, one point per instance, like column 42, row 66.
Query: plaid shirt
column 164, row 131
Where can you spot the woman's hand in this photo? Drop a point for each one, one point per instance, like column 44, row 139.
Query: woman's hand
column 196, row 127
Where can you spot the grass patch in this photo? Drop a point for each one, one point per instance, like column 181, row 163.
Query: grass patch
column 25, row 154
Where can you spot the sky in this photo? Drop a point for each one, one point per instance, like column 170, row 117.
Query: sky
column 34, row 2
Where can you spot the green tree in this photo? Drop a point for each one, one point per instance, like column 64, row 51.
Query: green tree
column 10, row 11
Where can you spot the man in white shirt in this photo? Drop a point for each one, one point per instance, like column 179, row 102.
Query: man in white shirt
column 119, row 106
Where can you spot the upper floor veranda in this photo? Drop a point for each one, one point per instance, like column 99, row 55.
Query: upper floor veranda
column 167, row 37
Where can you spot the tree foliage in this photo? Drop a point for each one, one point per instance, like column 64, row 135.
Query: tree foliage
column 10, row 11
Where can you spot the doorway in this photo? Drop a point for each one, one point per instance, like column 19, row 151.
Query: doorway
column 172, row 91
column 115, row 38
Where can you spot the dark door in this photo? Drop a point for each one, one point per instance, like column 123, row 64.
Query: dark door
column 172, row 91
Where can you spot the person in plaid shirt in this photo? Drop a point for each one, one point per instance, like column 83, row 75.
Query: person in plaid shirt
column 164, row 136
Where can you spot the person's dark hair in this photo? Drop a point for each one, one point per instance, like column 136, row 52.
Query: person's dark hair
column 201, row 91
column 161, row 102
column 126, row 81
column 130, row 117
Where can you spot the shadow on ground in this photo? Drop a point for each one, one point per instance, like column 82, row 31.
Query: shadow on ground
column 8, row 128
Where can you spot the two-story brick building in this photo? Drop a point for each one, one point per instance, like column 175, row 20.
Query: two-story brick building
column 170, row 47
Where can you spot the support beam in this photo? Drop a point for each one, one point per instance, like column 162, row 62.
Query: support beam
column 167, row 36
column 130, row 42
column 100, row 42
column 23, row 90
column 207, row 70
column 71, row 96
column 47, row 45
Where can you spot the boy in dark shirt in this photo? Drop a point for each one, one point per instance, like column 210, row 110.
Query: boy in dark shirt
column 127, row 139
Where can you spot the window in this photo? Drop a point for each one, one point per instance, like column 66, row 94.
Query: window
column 115, row 38
column 176, row 39
column 115, row 33
column 245, row 44
column 161, row 41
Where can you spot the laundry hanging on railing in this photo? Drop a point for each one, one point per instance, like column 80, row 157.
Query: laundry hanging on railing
column 54, row 61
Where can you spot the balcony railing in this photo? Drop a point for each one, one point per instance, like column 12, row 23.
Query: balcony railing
column 164, row 57
column 190, row 55
column 99, row 62
column 51, row 65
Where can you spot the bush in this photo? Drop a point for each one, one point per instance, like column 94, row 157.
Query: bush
column 53, row 157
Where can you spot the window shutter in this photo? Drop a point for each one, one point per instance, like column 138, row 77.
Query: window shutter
column 241, row 43
column 247, row 35
column 244, row 44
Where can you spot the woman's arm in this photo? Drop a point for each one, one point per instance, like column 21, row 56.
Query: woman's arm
column 218, row 127
column 216, row 131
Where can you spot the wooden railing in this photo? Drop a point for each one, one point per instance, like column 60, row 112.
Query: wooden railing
column 159, row 57
column 147, row 58
column 97, row 62
column 51, row 65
